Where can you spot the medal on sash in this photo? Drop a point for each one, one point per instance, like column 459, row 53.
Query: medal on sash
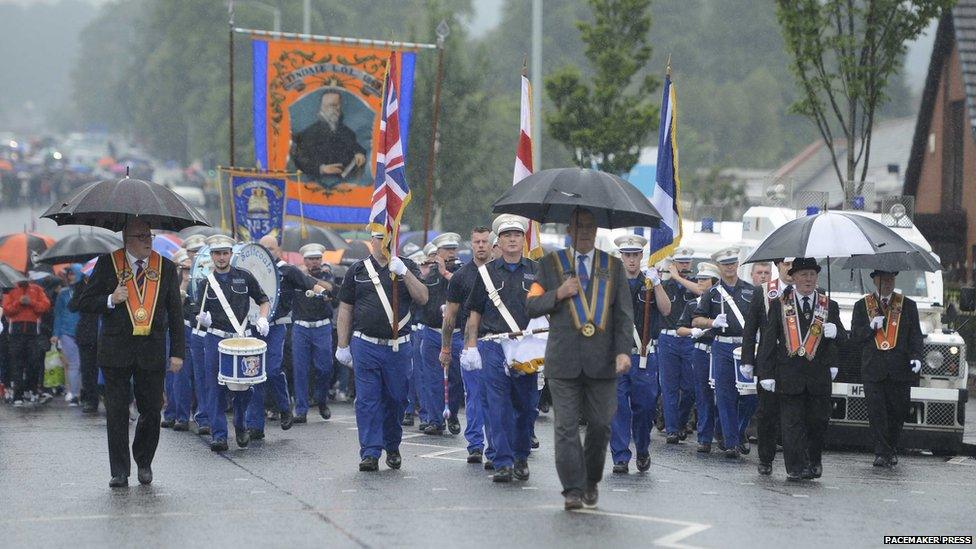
column 141, row 303
column 589, row 312
column 805, row 347
column 885, row 339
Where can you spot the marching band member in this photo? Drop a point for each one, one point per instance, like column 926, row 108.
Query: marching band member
column 381, row 358
column 637, row 389
column 497, row 306
column 886, row 324
column 415, row 404
column 767, row 417
column 721, row 309
column 707, row 276
column 476, row 430
column 195, row 344
column 224, row 312
column 177, row 385
column 674, row 352
column 442, row 268
column 798, row 355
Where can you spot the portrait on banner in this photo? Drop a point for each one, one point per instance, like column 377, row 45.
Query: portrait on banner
column 331, row 138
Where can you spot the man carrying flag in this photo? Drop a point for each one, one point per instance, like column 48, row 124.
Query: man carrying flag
column 375, row 299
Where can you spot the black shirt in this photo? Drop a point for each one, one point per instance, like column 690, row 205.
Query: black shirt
column 680, row 296
column 431, row 313
column 638, row 295
column 711, row 305
column 314, row 309
column 459, row 289
column 513, row 283
column 239, row 288
column 292, row 281
column 368, row 315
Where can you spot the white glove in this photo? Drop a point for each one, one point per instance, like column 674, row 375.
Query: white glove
column 397, row 266
column 833, row 373
column 204, row 319
column 916, row 365
column 697, row 333
column 344, row 356
column 263, row 326
column 877, row 322
column 830, row 330
column 769, row 385
column 720, row 321
column 746, row 370
column 470, row 359
column 652, row 274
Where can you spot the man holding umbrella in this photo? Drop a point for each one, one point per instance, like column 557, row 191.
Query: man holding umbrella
column 886, row 325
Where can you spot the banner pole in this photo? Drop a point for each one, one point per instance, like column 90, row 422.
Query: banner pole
column 442, row 32
column 303, row 230
column 230, row 76
column 392, row 44
column 220, row 191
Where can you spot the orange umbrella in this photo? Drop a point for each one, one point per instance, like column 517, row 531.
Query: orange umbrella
column 5, row 165
column 19, row 250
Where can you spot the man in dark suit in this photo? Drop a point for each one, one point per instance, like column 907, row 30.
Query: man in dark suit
column 588, row 348
column 137, row 293
column 797, row 354
column 887, row 327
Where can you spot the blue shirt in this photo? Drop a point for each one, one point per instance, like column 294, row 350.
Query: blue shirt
column 513, row 282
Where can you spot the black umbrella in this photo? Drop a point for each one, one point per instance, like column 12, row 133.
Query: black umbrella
column 79, row 248
column 918, row 260
column 112, row 202
column 9, row 277
column 551, row 196
column 292, row 239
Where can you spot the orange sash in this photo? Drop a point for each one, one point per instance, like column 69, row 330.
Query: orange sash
column 791, row 325
column 141, row 304
column 885, row 339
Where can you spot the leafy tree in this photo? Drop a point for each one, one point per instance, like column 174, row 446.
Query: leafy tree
column 606, row 123
column 844, row 53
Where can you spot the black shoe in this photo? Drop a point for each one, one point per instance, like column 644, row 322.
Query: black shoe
column 145, row 475
column 393, row 460
column 243, row 438
column 475, row 456
column 434, row 429
column 765, row 469
column 218, row 446
column 732, row 453
column 744, row 448
column 502, row 474
column 544, row 407
column 806, row 473
column 573, row 502
column 407, row 420
column 590, row 496
column 203, row 430
column 816, row 470
column 300, row 418
column 793, row 477
column 255, row 434
column 89, row 408
column 453, row 425
column 287, row 419
column 181, row 426
column 535, row 443
column 521, row 470
column 118, row 482
column 683, row 435
column 489, row 466
column 167, row 423
column 704, row 447
column 893, row 459
column 422, row 426
column 324, row 411
column 643, row 463
column 369, row 464
column 881, row 461
column 620, row 468
column 672, row 438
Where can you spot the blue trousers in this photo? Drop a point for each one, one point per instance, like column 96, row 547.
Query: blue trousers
column 431, row 388
column 747, row 408
column 636, row 408
column 381, row 394
column 415, row 404
column 704, row 397
column 179, row 391
column 510, row 408
column 726, row 395
column 220, row 393
column 677, row 380
column 275, row 339
column 311, row 347
column 201, row 381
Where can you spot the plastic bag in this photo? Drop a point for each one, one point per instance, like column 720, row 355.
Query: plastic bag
column 53, row 370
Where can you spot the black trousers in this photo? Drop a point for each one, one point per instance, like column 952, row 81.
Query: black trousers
column 888, row 402
column 147, row 386
column 767, row 424
column 580, row 464
column 804, row 419
column 89, row 373
column 23, row 352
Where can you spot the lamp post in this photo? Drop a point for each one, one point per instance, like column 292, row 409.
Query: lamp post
column 443, row 30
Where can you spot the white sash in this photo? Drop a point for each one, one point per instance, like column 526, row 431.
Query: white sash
column 641, row 351
column 728, row 299
column 222, row 299
column 384, row 300
column 497, row 300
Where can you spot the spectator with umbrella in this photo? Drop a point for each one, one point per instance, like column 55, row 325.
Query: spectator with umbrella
column 65, row 329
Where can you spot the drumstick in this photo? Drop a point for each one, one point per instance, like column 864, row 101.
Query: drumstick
column 206, row 287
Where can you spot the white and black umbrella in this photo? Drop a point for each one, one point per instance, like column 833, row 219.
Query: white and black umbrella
column 918, row 260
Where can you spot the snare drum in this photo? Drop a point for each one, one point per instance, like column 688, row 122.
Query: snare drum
column 241, row 362
column 745, row 385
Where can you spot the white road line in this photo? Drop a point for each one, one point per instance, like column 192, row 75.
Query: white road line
column 670, row 540
column 409, row 477
column 709, row 493
column 619, row 490
column 349, row 491
column 438, row 489
column 917, row 492
column 259, row 492
column 530, row 487
column 889, row 500
column 801, row 495
column 442, row 454
column 326, row 478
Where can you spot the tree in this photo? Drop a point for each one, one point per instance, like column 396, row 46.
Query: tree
column 844, row 52
column 606, row 123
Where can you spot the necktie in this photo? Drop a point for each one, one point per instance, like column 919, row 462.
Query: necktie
column 806, row 306
column 884, row 304
column 140, row 274
column 584, row 277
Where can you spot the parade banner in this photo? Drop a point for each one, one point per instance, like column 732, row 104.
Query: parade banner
column 257, row 203
column 316, row 109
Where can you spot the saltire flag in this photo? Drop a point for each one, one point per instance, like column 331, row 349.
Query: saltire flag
column 667, row 186
column 523, row 164
column 391, row 194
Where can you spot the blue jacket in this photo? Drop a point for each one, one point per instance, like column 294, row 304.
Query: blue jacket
column 65, row 321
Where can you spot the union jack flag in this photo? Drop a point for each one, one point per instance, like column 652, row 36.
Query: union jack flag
column 391, row 194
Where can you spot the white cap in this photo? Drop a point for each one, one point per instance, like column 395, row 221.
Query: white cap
column 509, row 222
column 179, row 256
column 220, row 242
column 429, row 249
column 312, row 250
column 683, row 254
column 726, row 256
column 708, row 270
column 630, row 243
column 417, row 257
column 194, row 242
column 492, row 239
column 447, row 240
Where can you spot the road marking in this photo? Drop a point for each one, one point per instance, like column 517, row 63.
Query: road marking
column 917, row 492
column 63, row 484
column 530, row 487
column 663, row 480
column 832, row 487
column 349, row 491
column 619, row 490
column 670, row 540
column 888, row 500
column 442, row 454
column 438, row 489
column 709, row 493
column 241, row 479
column 748, row 483
column 961, row 460
column 801, row 495
column 409, row 477
column 326, row 478
column 259, row 492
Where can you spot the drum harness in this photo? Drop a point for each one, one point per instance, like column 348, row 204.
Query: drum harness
column 238, row 327
column 530, row 367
